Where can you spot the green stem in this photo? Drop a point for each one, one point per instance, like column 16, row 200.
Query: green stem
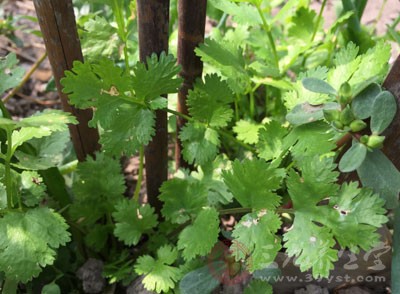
column 140, row 176
column 267, row 29
column 4, row 110
column 237, row 100
column 380, row 13
column 8, row 179
column 222, row 21
column 318, row 20
column 68, row 167
column 252, row 105
column 10, row 286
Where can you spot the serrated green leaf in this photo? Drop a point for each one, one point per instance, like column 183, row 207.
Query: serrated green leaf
column 247, row 131
column 362, row 104
column 40, row 125
column 126, row 129
column 32, row 188
column 199, row 238
column 383, row 111
column 99, row 39
column 255, row 236
column 133, row 220
column 317, row 225
column 227, row 59
column 346, row 63
column 10, row 74
column 353, row 157
column 49, row 152
column 373, row 67
column 29, row 242
column 160, row 276
column 97, row 236
column 200, row 144
column 208, row 102
column 156, row 78
column 94, row 196
column 357, row 206
column 302, row 25
column 318, row 86
column 183, row 199
column 258, row 286
column 310, row 139
column 243, row 13
column 253, row 182
column 211, row 176
column 270, row 144
column 379, row 173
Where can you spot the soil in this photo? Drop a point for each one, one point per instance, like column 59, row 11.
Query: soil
column 34, row 96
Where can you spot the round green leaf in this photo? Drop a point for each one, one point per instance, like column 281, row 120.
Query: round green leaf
column 362, row 102
column 318, row 86
column 51, row 289
column 353, row 158
column 383, row 111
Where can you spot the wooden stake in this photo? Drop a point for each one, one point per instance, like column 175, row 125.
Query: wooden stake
column 57, row 23
column 153, row 23
column 192, row 20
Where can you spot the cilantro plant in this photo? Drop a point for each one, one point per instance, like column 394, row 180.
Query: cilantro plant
column 295, row 162
column 31, row 232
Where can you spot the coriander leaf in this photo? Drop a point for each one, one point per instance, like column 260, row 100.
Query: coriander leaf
column 94, row 196
column 373, row 67
column 255, row 236
column 210, row 175
column 208, row 102
column 242, row 13
column 356, row 215
column 133, row 220
column 270, row 141
column 312, row 245
column 99, row 39
column 227, row 59
column 29, row 241
column 89, row 83
column 40, row 125
column 10, row 75
column 346, row 63
column 302, row 25
column 199, row 238
column 200, row 144
column 155, row 78
column 97, row 236
column 32, row 188
column 183, row 199
column 49, row 152
column 349, row 215
column 253, row 182
column 126, row 129
column 160, row 276
column 310, row 139
column 247, row 131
